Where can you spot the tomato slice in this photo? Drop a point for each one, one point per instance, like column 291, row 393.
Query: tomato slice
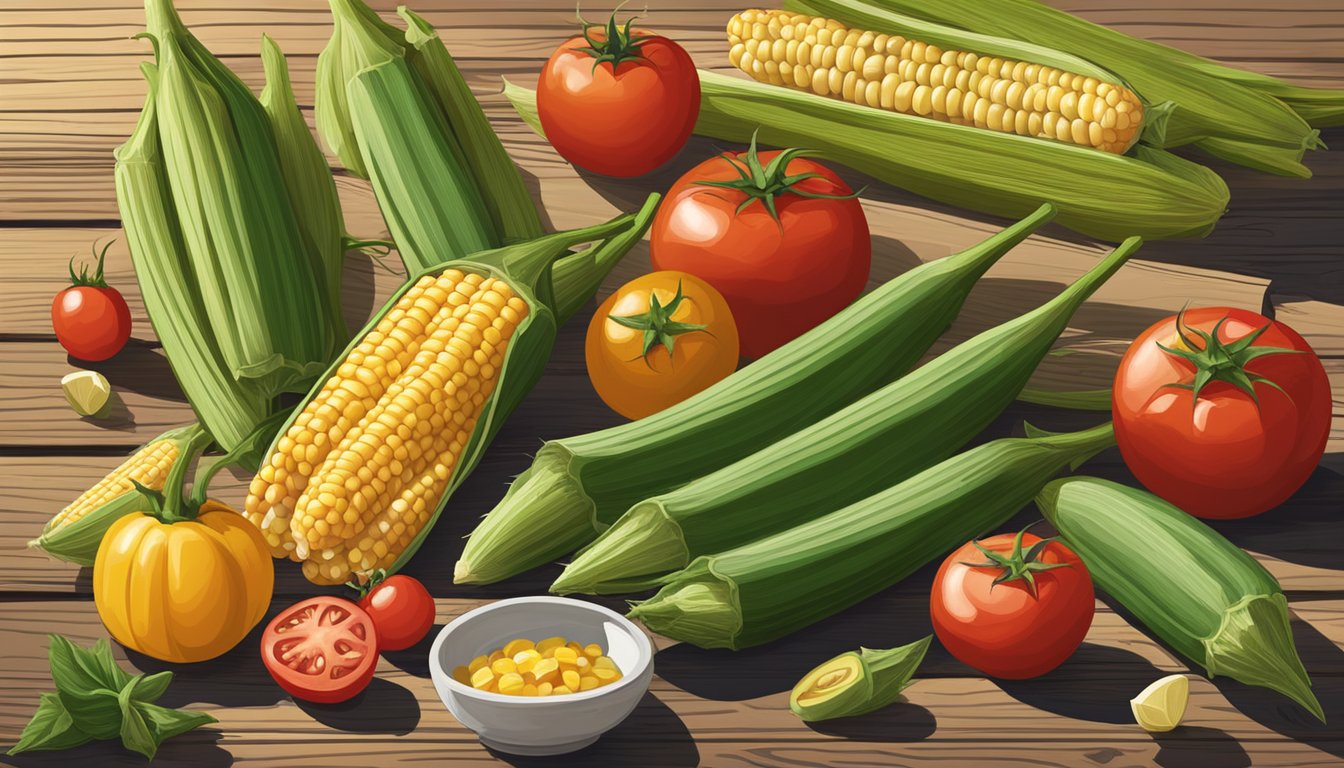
column 322, row 649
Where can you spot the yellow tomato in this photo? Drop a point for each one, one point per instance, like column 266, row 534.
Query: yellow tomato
column 183, row 591
column 658, row 340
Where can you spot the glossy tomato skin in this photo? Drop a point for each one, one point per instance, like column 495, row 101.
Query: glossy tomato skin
column 621, row 122
column 635, row 386
column 1223, row 456
column 401, row 609
column 1003, row 630
column 781, row 278
column 338, row 632
column 92, row 323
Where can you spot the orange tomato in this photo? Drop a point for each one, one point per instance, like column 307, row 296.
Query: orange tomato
column 658, row 340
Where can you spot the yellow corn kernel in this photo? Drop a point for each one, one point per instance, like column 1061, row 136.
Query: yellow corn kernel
column 582, row 663
column 544, row 689
column 148, row 466
column 462, row 675
column 571, row 679
column 511, row 683
column 545, row 670
column 530, row 690
column 503, row 666
column 477, row 663
column 514, row 647
column 606, row 675
column 550, row 644
column 495, row 655
column 604, row 662
column 592, row 650
column 913, row 78
column 526, row 660
column 482, row 678
column 560, row 690
column 566, row 655
column 588, row 683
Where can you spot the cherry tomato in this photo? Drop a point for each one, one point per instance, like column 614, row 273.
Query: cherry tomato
column 1241, row 441
column 91, row 320
column 787, row 253
column 322, row 649
column 618, row 101
column 401, row 609
column 658, row 340
column 1019, row 615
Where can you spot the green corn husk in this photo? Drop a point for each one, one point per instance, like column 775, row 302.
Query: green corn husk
column 872, row 679
column 1211, row 100
column 1197, row 591
column 1149, row 193
column 888, row 436
column 577, row 278
column 259, row 291
column 771, row 587
column 501, row 185
column 580, row 485
column 308, row 181
column 229, row 408
column 359, row 39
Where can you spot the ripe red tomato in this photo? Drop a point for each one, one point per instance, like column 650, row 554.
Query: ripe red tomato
column 401, row 609
column 787, row 253
column 1224, row 429
column 322, row 649
column 618, row 101
column 91, row 320
column 1019, row 615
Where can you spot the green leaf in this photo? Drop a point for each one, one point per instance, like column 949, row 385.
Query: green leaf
column 51, row 728
column 86, row 687
column 148, row 688
column 165, row 723
column 135, row 732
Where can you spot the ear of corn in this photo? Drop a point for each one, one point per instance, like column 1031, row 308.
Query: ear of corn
column 914, row 77
column 501, row 186
column 1212, row 101
column 1191, row 587
column 1148, row 192
column 259, row 291
column 229, row 408
column 773, row 586
column 578, row 486
column 902, row 428
column 308, row 182
column 75, row 532
column 356, row 479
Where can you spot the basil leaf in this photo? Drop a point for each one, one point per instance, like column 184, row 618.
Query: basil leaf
column 51, row 728
column 100, row 663
column 79, row 682
column 166, row 723
column 135, row 733
column 148, row 688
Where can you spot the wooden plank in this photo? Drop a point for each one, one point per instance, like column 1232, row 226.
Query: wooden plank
column 721, row 708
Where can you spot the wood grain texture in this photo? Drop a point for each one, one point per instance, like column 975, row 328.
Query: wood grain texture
column 69, row 94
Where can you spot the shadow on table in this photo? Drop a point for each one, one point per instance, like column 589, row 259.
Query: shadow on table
column 1304, row 530
column 1192, row 746
column 383, row 707
column 236, row 679
column 898, row 722
column 651, row 737
column 198, row 749
column 414, row 660
column 1073, row 689
column 140, row 367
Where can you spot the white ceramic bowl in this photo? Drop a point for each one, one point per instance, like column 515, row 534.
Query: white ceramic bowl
column 550, row 725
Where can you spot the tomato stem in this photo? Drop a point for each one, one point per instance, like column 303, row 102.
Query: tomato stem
column 364, row 582
column 657, row 324
column 1217, row 360
column 764, row 183
column 1018, row 565
column 619, row 44
column 83, row 278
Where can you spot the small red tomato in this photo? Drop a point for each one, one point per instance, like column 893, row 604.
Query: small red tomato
column 322, row 649
column 1222, row 412
column 780, row 236
column 91, row 320
column 1012, row 614
column 401, row 609
column 618, row 101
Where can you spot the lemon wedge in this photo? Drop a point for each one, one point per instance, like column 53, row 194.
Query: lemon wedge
column 1160, row 706
column 86, row 391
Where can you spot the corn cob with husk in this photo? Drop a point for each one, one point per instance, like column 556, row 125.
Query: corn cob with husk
column 889, row 71
column 75, row 532
column 356, row 479
column 1245, row 117
column 260, row 291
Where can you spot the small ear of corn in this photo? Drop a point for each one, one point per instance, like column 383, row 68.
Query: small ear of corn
column 147, row 466
column 892, row 72
column 308, row 182
column 357, row 475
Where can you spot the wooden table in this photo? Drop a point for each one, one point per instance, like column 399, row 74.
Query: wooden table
column 70, row 92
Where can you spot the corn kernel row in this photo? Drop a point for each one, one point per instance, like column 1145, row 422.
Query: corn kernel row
column 551, row 667
column 148, row 466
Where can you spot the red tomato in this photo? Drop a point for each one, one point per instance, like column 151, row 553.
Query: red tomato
column 782, row 272
column 401, row 609
column 1023, row 626
column 1218, row 453
column 322, row 649
column 91, row 320
column 619, row 102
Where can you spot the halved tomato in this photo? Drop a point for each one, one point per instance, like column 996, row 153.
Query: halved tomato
column 322, row 649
